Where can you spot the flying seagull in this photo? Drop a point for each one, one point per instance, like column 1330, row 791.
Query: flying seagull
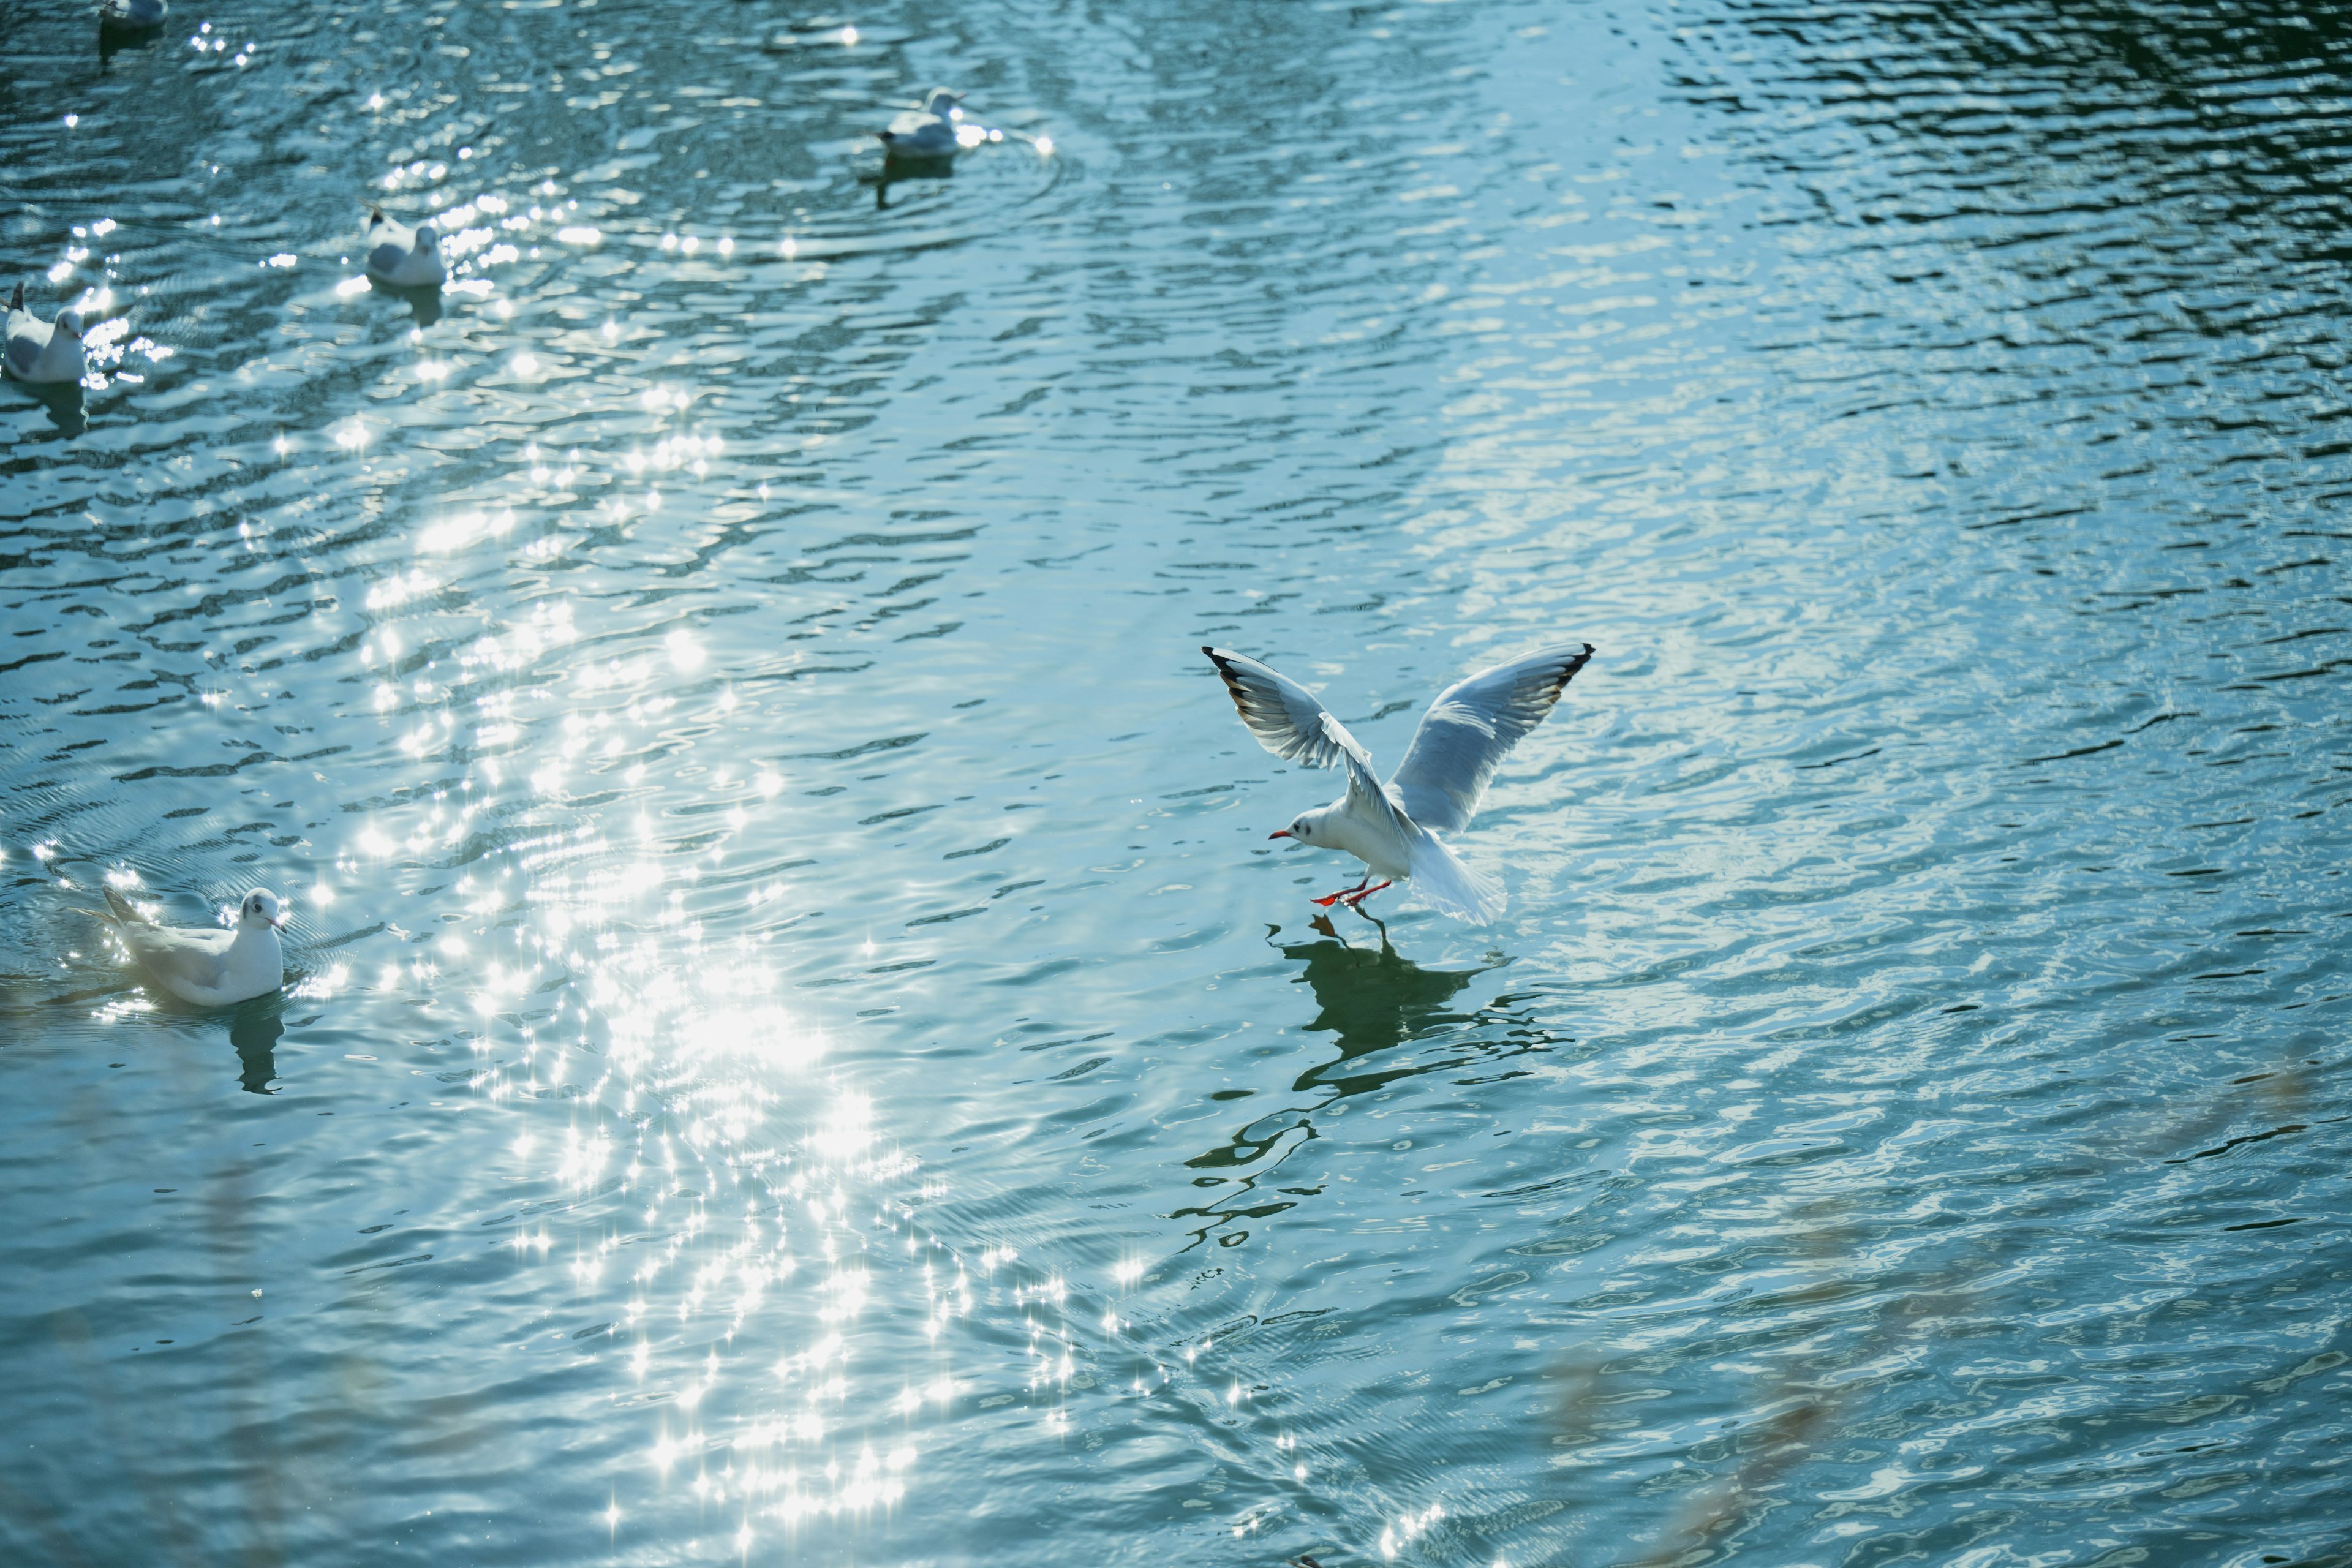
column 1392, row 828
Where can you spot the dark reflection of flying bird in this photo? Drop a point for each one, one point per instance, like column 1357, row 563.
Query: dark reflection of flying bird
column 1392, row 828
column 1370, row 1000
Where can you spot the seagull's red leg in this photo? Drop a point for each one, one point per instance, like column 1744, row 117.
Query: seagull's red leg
column 1358, row 895
column 1345, row 893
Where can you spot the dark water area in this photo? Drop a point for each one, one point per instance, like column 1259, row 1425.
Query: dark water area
column 800, row 1048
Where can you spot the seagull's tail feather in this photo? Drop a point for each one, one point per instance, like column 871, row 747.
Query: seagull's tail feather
column 120, row 907
column 1446, row 885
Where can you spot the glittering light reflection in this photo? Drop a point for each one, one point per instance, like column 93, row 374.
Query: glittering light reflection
column 723, row 1217
column 467, row 528
column 1406, row 1528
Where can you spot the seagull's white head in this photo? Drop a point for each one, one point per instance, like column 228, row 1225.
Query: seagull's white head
column 70, row 324
column 941, row 102
column 427, row 236
column 261, row 908
column 1306, row 828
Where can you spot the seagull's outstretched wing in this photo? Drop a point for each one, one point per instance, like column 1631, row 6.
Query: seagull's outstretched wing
column 1283, row 714
column 1463, row 735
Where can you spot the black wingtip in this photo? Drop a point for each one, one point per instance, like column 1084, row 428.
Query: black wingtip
column 1233, row 687
column 1568, row 668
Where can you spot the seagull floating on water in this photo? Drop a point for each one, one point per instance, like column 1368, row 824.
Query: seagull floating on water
column 403, row 256
column 211, row 968
column 926, row 132
column 42, row 351
column 1392, row 828
column 131, row 16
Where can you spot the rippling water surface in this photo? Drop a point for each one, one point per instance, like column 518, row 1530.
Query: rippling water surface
column 802, row 1050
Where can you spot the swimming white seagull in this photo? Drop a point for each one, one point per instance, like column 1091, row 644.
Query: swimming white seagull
column 131, row 16
column 211, row 968
column 403, row 256
column 1392, row 828
column 926, row 132
column 42, row 351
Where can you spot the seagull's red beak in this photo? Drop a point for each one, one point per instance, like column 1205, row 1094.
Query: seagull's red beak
column 1279, row 833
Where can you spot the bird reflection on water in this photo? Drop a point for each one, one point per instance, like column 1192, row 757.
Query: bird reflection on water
column 909, row 171
column 66, row 409
column 423, row 302
column 1371, row 1000
column 254, row 1030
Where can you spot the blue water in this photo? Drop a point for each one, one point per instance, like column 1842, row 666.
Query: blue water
column 801, row 1049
